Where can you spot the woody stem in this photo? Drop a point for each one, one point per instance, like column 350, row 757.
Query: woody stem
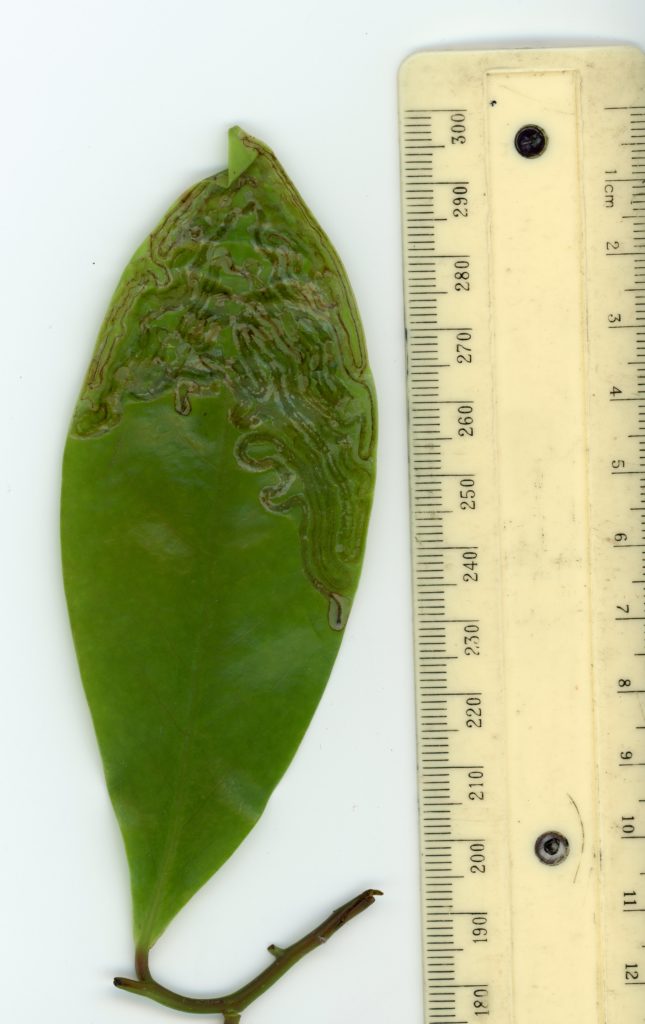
column 231, row 1006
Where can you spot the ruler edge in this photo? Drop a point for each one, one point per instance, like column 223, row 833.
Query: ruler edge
column 517, row 54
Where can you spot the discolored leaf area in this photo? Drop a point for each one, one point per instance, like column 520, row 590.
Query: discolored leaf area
column 217, row 483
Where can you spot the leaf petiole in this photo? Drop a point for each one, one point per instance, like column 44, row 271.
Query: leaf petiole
column 231, row 1006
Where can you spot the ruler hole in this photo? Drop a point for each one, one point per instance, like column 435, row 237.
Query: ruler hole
column 552, row 848
column 531, row 141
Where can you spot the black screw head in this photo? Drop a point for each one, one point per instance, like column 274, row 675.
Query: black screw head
column 531, row 141
column 552, row 848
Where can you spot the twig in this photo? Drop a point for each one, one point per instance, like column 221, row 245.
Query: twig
column 232, row 1005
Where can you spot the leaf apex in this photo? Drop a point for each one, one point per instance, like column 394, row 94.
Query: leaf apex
column 242, row 151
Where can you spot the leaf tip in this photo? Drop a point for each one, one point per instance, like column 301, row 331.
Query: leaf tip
column 242, row 151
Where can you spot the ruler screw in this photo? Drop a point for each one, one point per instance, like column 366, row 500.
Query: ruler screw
column 552, row 848
column 531, row 141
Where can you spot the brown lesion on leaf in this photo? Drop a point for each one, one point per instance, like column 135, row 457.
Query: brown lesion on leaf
column 239, row 288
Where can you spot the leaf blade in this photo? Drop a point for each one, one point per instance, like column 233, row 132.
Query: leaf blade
column 198, row 608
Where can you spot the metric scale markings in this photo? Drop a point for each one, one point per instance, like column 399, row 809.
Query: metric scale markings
column 430, row 200
column 624, row 192
column 522, row 172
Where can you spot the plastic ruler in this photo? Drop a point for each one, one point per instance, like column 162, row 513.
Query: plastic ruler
column 523, row 185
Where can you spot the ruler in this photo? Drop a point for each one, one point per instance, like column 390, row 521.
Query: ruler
column 523, row 189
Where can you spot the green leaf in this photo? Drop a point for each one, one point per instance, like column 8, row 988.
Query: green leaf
column 217, row 482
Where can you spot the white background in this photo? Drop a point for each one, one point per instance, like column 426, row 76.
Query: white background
column 110, row 109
